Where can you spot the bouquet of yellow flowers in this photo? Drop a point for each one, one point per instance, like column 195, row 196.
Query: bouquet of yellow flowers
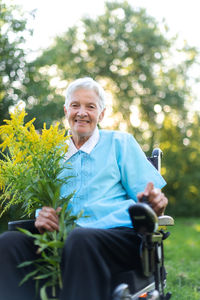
column 29, row 173
column 30, row 177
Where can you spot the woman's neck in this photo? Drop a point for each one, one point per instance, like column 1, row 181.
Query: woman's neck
column 79, row 141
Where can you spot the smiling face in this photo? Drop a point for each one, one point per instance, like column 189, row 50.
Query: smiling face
column 83, row 113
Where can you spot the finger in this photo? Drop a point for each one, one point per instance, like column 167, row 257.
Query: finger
column 44, row 224
column 155, row 192
column 140, row 195
column 48, row 225
column 148, row 189
column 43, row 220
column 48, row 209
column 155, row 196
column 47, row 220
column 162, row 205
column 58, row 209
column 159, row 204
column 48, row 213
column 48, row 216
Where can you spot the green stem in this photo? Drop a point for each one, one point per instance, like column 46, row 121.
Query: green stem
column 53, row 291
column 58, row 269
column 60, row 277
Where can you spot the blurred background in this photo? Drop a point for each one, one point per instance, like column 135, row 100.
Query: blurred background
column 144, row 53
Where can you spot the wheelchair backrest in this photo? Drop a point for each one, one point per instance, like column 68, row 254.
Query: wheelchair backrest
column 155, row 158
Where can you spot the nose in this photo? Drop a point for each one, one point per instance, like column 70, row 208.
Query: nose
column 82, row 112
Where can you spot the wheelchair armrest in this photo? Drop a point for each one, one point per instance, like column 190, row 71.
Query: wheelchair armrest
column 143, row 218
column 165, row 221
column 25, row 224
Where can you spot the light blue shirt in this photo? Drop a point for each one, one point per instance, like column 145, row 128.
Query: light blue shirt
column 106, row 180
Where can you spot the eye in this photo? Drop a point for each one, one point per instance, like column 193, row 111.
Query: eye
column 74, row 105
column 91, row 106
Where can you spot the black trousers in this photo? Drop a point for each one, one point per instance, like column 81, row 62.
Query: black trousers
column 90, row 258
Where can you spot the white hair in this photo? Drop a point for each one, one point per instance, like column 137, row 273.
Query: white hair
column 88, row 84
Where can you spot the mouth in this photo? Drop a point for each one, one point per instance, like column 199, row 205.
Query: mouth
column 82, row 121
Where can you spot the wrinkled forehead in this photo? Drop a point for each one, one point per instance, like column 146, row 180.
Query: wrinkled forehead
column 81, row 94
column 84, row 92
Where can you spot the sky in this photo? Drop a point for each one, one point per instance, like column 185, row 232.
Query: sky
column 54, row 17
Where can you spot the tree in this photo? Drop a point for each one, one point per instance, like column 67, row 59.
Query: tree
column 12, row 56
column 20, row 79
column 13, row 65
column 129, row 53
column 126, row 48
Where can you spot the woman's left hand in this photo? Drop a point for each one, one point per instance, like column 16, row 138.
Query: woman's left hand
column 157, row 200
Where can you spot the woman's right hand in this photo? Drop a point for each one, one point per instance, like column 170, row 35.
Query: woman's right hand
column 47, row 219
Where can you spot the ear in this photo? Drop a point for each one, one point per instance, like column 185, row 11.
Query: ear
column 65, row 111
column 102, row 115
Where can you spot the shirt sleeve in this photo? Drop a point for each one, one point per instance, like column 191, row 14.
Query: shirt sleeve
column 136, row 170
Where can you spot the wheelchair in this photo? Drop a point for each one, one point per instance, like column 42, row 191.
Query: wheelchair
column 149, row 282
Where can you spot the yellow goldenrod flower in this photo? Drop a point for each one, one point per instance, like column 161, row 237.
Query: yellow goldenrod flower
column 32, row 157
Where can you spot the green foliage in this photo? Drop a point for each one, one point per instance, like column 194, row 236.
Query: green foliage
column 30, row 176
column 125, row 48
column 42, row 99
column 181, row 166
column 20, row 80
column 50, row 246
column 13, row 66
column 182, row 259
column 129, row 53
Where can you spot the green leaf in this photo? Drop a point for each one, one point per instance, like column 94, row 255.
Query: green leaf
column 29, row 275
column 43, row 293
column 55, row 244
column 27, row 232
column 25, row 264
column 44, row 276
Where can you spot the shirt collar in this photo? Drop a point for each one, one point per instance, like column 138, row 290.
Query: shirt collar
column 87, row 147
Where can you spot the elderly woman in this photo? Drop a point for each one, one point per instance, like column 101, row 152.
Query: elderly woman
column 109, row 173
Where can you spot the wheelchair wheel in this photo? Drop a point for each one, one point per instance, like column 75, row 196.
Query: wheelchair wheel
column 121, row 292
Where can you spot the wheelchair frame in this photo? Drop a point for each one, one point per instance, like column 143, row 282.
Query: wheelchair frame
column 152, row 250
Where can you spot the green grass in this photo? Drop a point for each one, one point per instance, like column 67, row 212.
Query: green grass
column 182, row 259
